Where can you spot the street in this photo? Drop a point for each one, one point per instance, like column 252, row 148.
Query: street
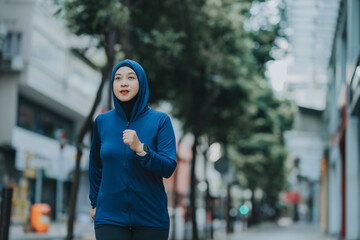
column 56, row 231
column 299, row 231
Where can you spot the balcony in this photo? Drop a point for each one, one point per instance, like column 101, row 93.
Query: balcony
column 11, row 64
column 11, row 59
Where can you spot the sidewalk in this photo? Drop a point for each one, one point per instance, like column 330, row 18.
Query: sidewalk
column 56, row 231
column 265, row 231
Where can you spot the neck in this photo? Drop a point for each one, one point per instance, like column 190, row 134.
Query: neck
column 128, row 107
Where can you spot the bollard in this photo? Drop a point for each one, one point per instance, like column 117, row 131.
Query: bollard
column 5, row 214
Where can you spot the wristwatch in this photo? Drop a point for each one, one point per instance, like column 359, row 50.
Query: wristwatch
column 145, row 150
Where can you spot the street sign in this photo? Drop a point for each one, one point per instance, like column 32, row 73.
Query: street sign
column 222, row 165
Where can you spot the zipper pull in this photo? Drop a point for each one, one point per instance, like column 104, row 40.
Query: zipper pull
column 127, row 125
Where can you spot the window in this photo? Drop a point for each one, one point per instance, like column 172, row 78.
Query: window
column 47, row 124
column 26, row 117
column 12, row 46
column 36, row 118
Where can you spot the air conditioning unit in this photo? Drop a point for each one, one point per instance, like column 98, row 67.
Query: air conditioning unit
column 12, row 63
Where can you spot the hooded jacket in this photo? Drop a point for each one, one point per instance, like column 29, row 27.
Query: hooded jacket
column 126, row 189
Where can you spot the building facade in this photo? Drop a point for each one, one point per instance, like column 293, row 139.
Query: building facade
column 343, row 171
column 306, row 143
column 46, row 90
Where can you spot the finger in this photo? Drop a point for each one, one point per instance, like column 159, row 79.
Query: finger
column 128, row 131
column 127, row 134
column 127, row 137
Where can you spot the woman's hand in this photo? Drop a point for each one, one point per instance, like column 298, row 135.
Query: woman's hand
column 93, row 213
column 130, row 138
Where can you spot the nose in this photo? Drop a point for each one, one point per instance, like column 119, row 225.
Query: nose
column 123, row 82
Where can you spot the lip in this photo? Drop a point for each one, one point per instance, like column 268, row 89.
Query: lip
column 124, row 92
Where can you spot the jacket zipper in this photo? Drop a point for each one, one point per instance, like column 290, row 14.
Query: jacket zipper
column 127, row 181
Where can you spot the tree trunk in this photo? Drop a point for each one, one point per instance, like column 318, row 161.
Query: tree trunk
column 228, row 207
column 110, row 53
column 208, row 200
column 255, row 212
column 125, row 34
column 193, row 183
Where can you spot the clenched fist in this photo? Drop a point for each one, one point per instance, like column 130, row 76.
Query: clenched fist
column 130, row 138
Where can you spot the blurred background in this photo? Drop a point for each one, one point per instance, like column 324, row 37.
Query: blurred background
column 263, row 96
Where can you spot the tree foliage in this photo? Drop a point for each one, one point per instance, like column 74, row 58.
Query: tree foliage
column 199, row 57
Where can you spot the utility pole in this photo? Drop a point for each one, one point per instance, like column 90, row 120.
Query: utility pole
column 6, row 196
column 60, row 175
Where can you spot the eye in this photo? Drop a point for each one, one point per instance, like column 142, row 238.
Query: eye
column 131, row 77
column 117, row 78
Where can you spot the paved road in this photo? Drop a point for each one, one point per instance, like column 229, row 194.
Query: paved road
column 57, row 231
column 266, row 231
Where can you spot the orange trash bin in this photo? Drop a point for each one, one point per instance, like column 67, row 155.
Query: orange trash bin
column 40, row 217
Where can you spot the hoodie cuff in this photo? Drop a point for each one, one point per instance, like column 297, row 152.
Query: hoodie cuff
column 145, row 157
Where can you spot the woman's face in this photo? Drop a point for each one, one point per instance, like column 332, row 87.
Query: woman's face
column 126, row 84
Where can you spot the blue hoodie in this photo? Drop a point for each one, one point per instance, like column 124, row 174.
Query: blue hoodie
column 126, row 189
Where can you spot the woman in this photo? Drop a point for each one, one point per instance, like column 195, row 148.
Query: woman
column 132, row 149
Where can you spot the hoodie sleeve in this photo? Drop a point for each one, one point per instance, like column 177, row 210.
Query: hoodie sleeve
column 163, row 161
column 95, row 166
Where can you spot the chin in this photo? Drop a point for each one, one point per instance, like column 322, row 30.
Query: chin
column 124, row 99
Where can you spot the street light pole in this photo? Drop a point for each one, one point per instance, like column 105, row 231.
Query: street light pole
column 59, row 181
column 38, row 185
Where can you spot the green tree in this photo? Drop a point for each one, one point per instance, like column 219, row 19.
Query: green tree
column 213, row 70
column 259, row 157
column 204, row 62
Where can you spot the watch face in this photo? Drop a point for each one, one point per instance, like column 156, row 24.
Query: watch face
column 145, row 147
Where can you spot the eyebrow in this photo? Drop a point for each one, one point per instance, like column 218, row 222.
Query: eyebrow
column 127, row 73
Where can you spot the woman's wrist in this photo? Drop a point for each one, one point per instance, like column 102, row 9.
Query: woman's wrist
column 139, row 149
column 144, row 150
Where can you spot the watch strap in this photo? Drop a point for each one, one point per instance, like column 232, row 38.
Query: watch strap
column 143, row 152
